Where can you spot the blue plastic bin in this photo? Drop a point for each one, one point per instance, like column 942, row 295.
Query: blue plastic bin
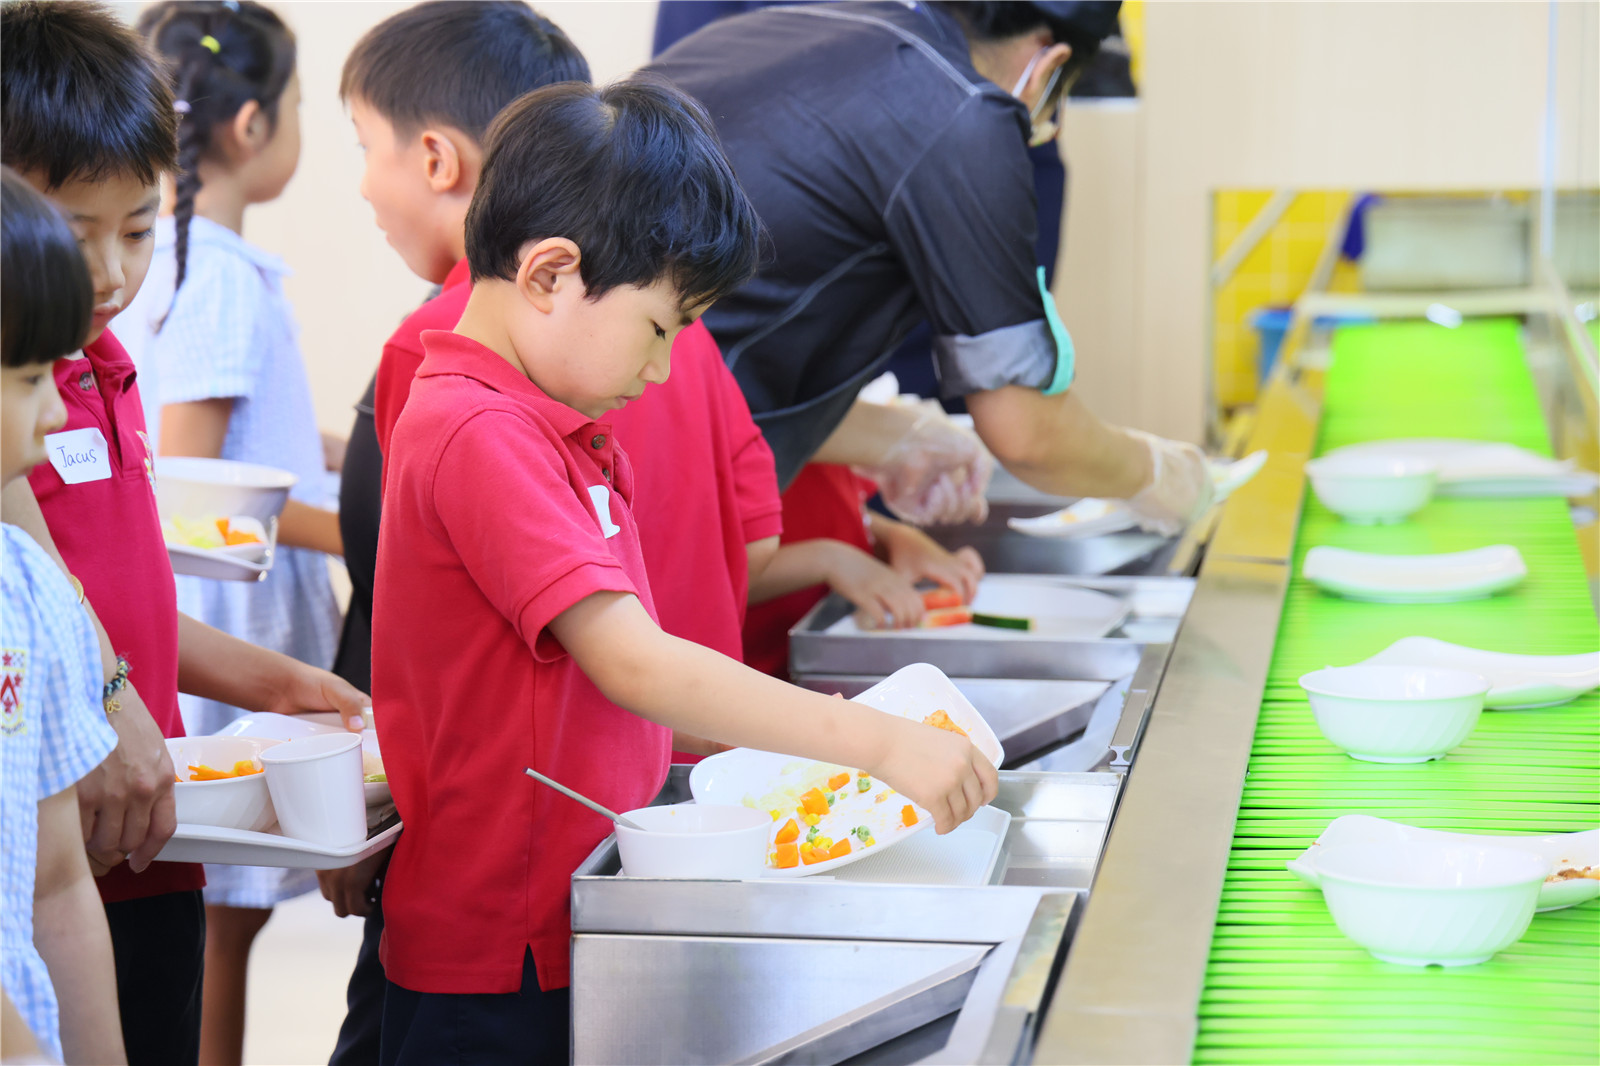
column 1271, row 323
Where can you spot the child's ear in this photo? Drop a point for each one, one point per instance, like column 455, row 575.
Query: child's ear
column 446, row 160
column 549, row 268
column 250, row 130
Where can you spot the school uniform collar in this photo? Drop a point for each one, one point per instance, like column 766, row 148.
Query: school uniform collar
column 203, row 231
column 452, row 354
column 459, row 274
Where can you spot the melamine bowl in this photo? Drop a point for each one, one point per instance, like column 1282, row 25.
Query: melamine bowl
column 695, row 840
column 194, row 487
column 1420, row 903
column 233, row 803
column 1372, row 489
column 1395, row 714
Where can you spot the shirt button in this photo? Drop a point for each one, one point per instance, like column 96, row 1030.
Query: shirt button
column 86, row 380
column 606, row 470
column 599, row 441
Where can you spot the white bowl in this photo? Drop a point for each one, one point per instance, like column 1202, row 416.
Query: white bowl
column 1421, row 903
column 235, row 803
column 1368, row 489
column 1395, row 713
column 695, row 840
column 194, row 488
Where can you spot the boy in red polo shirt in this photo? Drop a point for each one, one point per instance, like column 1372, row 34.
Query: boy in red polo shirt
column 88, row 121
column 513, row 622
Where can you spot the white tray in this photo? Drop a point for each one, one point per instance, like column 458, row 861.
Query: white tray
column 1443, row 578
column 238, row 847
column 1518, row 682
column 242, row 562
column 1059, row 612
column 1561, row 850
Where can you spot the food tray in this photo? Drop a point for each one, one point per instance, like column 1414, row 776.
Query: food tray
column 238, row 847
column 224, row 564
column 967, row 855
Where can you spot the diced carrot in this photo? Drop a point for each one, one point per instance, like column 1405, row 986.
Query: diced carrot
column 949, row 616
column 935, row 599
column 206, row 773
column 811, row 856
column 838, row 781
column 839, row 850
column 222, row 527
column 788, row 834
column 236, row 536
column 908, row 815
column 244, row 768
column 814, row 802
column 941, row 720
column 788, row 855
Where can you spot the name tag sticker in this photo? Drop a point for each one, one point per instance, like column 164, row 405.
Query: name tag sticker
column 602, row 508
column 79, row 455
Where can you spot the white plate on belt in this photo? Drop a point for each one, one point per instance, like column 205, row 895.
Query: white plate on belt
column 1517, row 681
column 1484, row 468
column 1572, row 853
column 1443, row 578
column 767, row 780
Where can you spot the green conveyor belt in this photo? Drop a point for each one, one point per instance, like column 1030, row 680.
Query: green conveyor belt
column 1283, row 985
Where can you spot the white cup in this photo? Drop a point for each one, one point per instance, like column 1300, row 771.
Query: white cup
column 316, row 788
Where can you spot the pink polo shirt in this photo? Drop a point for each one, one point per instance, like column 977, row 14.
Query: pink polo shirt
column 109, row 534
column 501, row 509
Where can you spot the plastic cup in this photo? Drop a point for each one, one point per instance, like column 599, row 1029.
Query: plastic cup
column 316, row 788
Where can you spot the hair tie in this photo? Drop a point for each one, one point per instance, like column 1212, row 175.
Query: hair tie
column 211, row 44
column 181, row 106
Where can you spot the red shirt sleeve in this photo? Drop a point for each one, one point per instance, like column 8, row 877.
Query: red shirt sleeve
column 755, row 473
column 541, row 554
column 397, row 368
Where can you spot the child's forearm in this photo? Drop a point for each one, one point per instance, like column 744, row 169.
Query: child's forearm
column 17, row 1042
column 794, row 567
column 303, row 526
column 70, row 933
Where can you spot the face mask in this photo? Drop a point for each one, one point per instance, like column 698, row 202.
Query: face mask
column 1042, row 117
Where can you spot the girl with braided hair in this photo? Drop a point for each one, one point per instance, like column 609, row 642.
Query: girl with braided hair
column 221, row 344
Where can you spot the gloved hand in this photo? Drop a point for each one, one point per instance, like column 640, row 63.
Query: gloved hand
column 1180, row 487
column 936, row 474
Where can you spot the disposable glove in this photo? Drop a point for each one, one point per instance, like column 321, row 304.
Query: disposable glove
column 1180, row 487
column 936, row 474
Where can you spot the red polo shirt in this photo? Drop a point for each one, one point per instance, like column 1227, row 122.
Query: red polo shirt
column 706, row 481
column 109, row 535
column 502, row 508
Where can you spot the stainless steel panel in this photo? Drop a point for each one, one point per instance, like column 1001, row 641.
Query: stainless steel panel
column 1005, row 551
column 756, row 1000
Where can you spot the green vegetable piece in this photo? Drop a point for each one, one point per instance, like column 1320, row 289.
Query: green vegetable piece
column 830, row 798
column 863, row 784
column 862, row 832
column 811, row 837
column 1001, row 621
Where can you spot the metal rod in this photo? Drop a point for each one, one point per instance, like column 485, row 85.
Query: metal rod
column 585, row 800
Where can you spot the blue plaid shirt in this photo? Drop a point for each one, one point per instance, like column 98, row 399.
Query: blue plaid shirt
column 52, row 732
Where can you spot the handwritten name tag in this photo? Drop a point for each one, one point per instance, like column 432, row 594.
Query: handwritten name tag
column 602, row 507
column 79, row 455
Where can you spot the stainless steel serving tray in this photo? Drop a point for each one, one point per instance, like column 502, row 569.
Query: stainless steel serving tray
column 1157, row 606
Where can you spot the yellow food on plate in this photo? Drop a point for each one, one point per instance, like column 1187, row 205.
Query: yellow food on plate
column 210, row 532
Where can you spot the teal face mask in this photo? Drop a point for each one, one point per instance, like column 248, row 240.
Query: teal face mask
column 1066, row 355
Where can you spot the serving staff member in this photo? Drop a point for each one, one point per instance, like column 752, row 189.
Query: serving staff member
column 891, row 169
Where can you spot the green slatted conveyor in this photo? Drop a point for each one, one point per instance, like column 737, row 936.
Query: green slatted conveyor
column 1283, row 986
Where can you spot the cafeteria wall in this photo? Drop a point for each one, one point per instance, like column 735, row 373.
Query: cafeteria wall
column 1306, row 95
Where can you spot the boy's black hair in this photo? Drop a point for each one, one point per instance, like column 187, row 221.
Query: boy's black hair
column 81, row 98
column 632, row 173
column 47, row 301
column 221, row 56
column 457, row 62
column 1082, row 24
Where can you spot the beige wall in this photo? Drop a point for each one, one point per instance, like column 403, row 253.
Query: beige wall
column 1319, row 95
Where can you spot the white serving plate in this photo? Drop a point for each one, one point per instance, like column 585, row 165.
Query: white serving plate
column 766, row 780
column 241, row 562
column 236, row 847
column 1517, row 682
column 1059, row 612
column 1484, row 468
column 1092, row 517
column 966, row 855
column 1443, row 578
column 195, row 485
column 1561, row 850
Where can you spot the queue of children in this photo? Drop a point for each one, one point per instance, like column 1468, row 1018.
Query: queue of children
column 581, row 537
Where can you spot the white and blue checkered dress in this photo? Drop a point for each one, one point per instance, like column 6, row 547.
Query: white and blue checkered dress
column 52, row 733
column 231, row 334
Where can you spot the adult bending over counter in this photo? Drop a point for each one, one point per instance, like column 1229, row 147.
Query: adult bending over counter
column 891, row 169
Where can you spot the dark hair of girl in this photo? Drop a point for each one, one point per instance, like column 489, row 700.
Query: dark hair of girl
column 47, row 300
column 221, row 55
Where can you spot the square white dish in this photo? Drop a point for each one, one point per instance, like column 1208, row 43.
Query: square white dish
column 1444, row 578
column 763, row 780
column 1058, row 612
column 1563, row 851
column 1517, row 682
column 966, row 855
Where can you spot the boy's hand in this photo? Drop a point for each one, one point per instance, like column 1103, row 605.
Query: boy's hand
column 937, row 770
column 126, row 803
column 883, row 598
column 346, row 888
column 920, row 558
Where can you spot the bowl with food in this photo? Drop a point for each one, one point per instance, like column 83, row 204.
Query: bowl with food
column 1373, row 489
column 194, row 488
column 1395, row 714
column 219, row 782
column 1428, row 903
column 694, row 840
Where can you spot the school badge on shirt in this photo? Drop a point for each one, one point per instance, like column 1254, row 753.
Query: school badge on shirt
column 13, row 670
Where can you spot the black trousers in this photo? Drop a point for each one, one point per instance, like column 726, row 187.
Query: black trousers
column 441, row 1029
column 363, row 1019
column 160, row 948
